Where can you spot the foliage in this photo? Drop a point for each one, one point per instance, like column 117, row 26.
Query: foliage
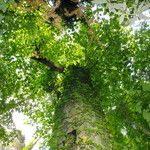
column 117, row 61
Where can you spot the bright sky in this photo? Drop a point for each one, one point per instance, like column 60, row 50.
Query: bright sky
column 26, row 129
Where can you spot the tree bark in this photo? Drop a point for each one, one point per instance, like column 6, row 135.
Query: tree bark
column 79, row 125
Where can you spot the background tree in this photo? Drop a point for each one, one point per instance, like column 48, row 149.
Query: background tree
column 86, row 80
column 17, row 143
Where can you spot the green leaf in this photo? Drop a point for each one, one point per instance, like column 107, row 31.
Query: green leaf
column 146, row 86
column 146, row 115
column 3, row 7
column 138, row 107
column 114, row 68
column 1, row 17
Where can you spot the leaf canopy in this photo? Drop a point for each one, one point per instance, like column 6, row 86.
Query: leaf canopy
column 117, row 59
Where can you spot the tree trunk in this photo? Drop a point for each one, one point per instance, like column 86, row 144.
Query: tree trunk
column 79, row 125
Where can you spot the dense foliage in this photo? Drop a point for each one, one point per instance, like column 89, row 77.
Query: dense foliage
column 117, row 60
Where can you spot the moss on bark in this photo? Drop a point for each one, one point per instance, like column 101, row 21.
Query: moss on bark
column 78, row 125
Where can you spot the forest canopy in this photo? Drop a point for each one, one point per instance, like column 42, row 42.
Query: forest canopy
column 53, row 51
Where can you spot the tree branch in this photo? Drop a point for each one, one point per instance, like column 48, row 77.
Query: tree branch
column 48, row 63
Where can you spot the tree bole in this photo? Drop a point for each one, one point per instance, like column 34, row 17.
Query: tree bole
column 78, row 125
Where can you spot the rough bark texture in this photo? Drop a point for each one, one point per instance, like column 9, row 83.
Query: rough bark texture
column 78, row 125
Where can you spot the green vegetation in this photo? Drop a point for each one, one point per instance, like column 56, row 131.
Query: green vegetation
column 85, row 84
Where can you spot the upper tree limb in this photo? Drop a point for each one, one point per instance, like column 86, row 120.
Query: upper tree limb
column 48, row 63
